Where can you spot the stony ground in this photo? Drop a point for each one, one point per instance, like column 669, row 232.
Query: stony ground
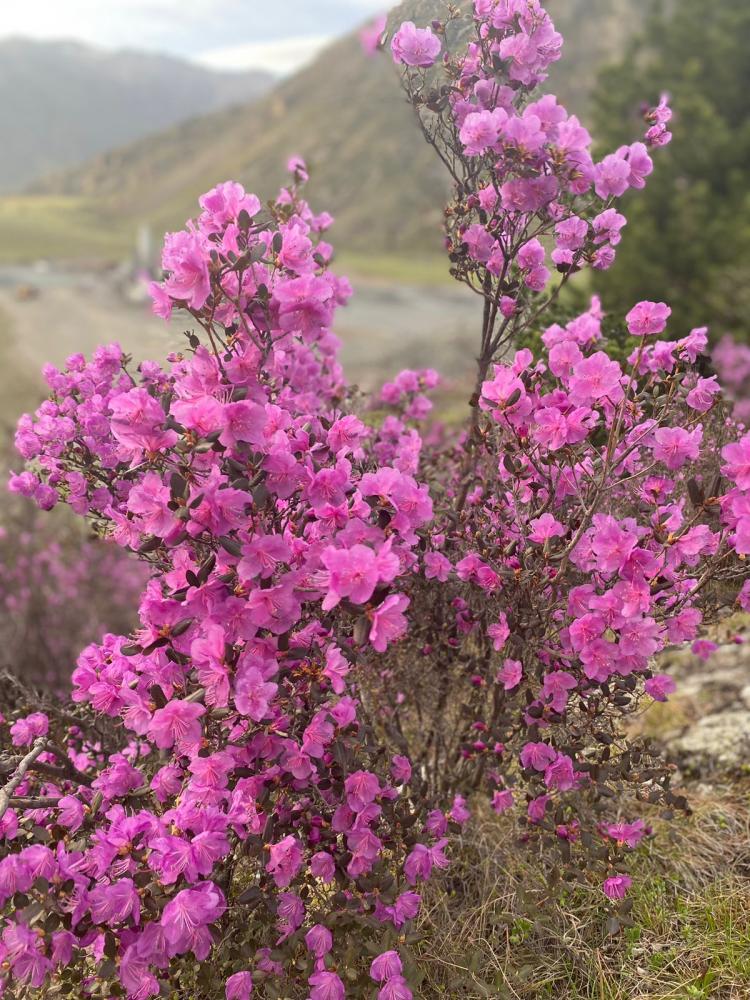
column 383, row 329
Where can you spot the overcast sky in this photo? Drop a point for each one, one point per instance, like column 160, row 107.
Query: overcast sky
column 232, row 34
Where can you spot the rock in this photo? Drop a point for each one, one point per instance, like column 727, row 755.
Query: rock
column 716, row 742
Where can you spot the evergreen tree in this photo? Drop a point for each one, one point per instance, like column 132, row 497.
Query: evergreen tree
column 688, row 238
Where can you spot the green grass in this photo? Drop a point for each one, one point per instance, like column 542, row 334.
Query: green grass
column 690, row 938
column 425, row 270
column 66, row 228
column 33, row 227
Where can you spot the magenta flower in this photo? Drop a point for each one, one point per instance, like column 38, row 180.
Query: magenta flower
column 326, row 986
column 660, row 687
column 319, row 940
column 361, row 789
column 322, row 866
column 388, row 621
column 239, row 986
column 24, row 731
column 647, row 318
column 186, row 919
column 177, row 724
column 511, row 674
column 395, row 989
column 502, row 800
column 385, row 966
column 371, row 37
column 617, row 886
column 414, row 46
column 285, row 860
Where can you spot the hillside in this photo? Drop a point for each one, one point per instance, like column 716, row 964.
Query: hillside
column 345, row 114
column 71, row 101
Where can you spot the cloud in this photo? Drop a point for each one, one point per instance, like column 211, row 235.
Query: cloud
column 193, row 28
column 282, row 57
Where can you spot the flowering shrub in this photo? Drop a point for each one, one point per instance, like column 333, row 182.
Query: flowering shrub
column 350, row 630
column 731, row 360
column 59, row 591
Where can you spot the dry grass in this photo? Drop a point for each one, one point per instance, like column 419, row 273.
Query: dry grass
column 690, row 937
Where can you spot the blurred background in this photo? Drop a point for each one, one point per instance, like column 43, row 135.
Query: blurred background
column 116, row 116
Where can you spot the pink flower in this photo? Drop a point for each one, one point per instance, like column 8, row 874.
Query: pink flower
column 322, row 866
column 355, row 572
column 361, row 788
column 24, row 731
column 253, row 694
column 115, row 903
column 596, row 377
column 511, row 674
column 502, row 800
column 415, row 46
column 186, row 918
column 617, row 886
column 371, row 37
column 545, row 528
column 627, row 834
column 401, row 770
column 239, row 986
column 388, row 621
column 660, row 687
column 420, row 862
column 285, row 860
column 647, row 318
column 177, row 723
column 499, row 632
column 701, row 396
column 481, row 130
column 385, row 967
column 326, row 986
column 537, row 756
column 395, row 989
column 612, row 176
column 675, row 446
column 149, row 500
column 319, row 940
column 737, row 459
column 186, row 259
column 560, row 774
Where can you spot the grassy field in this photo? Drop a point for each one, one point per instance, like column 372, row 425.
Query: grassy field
column 38, row 227
column 690, row 938
column 67, row 228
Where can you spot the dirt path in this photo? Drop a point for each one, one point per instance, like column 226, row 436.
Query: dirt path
column 382, row 331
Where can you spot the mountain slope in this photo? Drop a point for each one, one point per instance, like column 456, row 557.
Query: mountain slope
column 345, row 114
column 66, row 102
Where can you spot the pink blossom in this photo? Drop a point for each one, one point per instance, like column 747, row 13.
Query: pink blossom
column 371, row 36
column 326, row 986
column 414, row 46
column 647, row 318
column 511, row 674
column 616, row 887
column 388, row 621
column 385, row 967
column 544, row 528
column 285, row 860
column 660, row 687
column 177, row 723
column 239, row 986
column 675, row 446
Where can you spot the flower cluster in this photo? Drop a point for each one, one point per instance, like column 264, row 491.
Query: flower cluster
column 353, row 625
column 59, row 591
column 278, row 530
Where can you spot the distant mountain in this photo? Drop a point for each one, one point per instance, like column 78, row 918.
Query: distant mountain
column 346, row 115
column 64, row 102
